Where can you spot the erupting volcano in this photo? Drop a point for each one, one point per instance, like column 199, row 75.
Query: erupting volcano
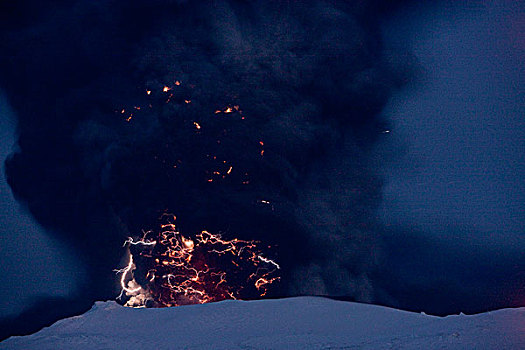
column 167, row 269
column 276, row 126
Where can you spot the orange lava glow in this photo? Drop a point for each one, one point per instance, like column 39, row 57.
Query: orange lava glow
column 179, row 270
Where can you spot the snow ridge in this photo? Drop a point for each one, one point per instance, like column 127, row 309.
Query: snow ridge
column 293, row 323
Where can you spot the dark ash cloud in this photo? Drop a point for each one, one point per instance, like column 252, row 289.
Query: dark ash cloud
column 306, row 77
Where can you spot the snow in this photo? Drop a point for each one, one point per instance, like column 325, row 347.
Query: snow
column 294, row 323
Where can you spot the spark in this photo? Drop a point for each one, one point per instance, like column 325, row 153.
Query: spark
column 166, row 89
column 227, row 110
column 269, row 261
column 197, row 125
column 141, row 242
column 262, row 282
column 124, row 271
column 188, row 243
column 129, row 268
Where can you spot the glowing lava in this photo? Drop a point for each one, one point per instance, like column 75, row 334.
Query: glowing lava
column 167, row 269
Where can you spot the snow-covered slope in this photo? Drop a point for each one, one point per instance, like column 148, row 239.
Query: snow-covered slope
column 295, row 323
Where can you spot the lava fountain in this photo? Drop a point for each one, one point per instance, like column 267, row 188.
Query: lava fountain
column 167, row 269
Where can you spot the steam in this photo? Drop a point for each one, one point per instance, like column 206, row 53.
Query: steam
column 304, row 82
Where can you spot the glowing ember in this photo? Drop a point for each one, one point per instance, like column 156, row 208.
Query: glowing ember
column 166, row 89
column 228, row 110
column 168, row 269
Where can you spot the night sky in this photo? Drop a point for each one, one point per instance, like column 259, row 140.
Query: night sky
column 393, row 137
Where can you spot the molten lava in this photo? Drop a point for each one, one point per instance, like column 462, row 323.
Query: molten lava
column 167, row 269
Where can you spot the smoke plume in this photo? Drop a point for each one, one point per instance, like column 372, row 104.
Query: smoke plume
column 252, row 119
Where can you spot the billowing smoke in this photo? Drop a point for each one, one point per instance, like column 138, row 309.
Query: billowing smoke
column 254, row 119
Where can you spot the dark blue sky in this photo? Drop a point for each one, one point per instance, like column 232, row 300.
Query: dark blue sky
column 32, row 263
column 463, row 122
